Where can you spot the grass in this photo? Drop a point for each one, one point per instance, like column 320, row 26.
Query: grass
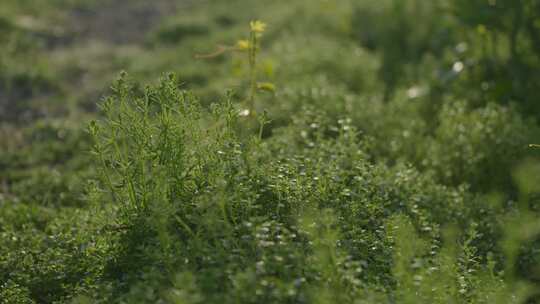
column 384, row 157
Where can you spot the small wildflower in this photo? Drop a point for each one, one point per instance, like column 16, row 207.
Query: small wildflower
column 242, row 45
column 257, row 26
column 266, row 86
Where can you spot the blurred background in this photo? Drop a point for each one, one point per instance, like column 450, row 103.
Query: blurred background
column 448, row 85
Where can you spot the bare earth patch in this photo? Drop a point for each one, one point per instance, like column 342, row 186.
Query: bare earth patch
column 122, row 22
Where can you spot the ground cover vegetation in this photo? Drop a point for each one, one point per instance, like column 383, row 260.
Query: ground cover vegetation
column 305, row 151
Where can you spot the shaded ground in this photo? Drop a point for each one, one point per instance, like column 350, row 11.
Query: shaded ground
column 77, row 48
column 122, row 22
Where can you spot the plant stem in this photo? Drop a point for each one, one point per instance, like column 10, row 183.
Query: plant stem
column 252, row 71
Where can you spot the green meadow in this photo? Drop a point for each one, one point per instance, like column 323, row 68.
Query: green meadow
column 269, row 151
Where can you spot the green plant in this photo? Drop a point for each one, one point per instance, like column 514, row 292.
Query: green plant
column 251, row 47
column 393, row 169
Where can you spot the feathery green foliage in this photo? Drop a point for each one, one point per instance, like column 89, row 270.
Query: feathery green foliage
column 389, row 164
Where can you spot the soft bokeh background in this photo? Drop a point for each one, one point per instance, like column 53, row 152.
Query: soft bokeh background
column 448, row 85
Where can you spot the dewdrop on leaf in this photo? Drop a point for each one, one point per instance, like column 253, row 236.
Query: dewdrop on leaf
column 244, row 113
